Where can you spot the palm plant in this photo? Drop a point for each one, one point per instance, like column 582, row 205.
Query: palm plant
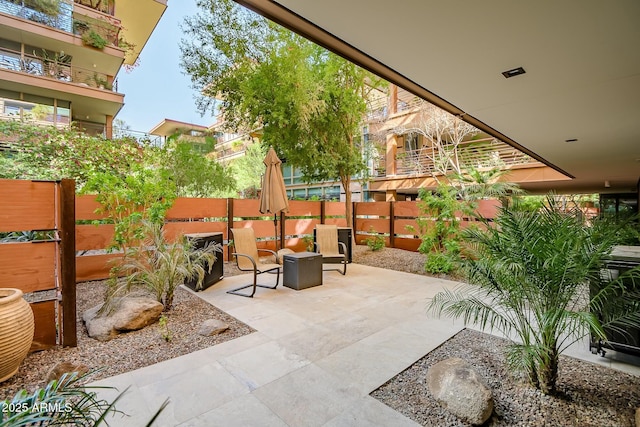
column 161, row 266
column 530, row 275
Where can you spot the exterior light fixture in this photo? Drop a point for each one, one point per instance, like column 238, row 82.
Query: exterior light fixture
column 607, row 184
column 513, row 72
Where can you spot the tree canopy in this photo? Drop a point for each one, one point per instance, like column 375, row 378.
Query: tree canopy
column 308, row 102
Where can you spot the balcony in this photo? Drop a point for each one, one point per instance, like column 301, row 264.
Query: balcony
column 56, row 67
column 479, row 153
column 52, row 13
column 104, row 6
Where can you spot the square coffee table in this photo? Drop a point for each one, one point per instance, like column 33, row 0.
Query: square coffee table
column 302, row 270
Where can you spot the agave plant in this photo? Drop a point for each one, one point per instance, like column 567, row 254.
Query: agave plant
column 161, row 266
column 530, row 278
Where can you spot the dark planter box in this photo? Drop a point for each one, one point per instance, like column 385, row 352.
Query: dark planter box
column 216, row 273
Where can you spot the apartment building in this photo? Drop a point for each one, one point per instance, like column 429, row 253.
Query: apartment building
column 59, row 59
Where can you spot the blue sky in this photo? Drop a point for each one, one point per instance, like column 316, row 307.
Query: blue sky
column 157, row 89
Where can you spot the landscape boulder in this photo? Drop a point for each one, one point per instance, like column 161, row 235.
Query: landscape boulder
column 64, row 367
column 458, row 387
column 129, row 314
column 212, row 327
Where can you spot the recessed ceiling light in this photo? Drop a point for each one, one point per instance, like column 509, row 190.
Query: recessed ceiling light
column 571, row 140
column 513, row 72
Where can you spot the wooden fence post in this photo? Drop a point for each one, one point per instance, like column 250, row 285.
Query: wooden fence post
column 229, row 226
column 67, row 228
column 392, row 221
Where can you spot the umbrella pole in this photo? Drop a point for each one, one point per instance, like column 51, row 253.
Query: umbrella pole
column 275, row 225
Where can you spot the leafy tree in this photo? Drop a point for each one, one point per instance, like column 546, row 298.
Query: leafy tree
column 308, row 102
column 248, row 169
column 193, row 173
column 530, row 278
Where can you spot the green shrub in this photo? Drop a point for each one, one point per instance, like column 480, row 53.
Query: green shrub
column 93, row 38
column 160, row 266
column 375, row 242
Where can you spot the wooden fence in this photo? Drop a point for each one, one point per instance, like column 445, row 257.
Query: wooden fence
column 43, row 269
column 191, row 215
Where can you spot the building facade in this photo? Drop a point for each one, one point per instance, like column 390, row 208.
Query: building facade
column 59, row 59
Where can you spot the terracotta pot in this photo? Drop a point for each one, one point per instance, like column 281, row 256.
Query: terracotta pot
column 16, row 331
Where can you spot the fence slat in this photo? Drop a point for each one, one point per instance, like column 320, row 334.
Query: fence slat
column 29, row 267
column 335, row 209
column 187, row 207
column 44, row 336
column 378, row 225
column 406, row 209
column 407, row 244
column 86, row 206
column 304, row 208
column 31, row 207
column 94, row 267
column 91, row 237
column 262, row 228
column 175, row 229
column 401, row 226
column 373, row 208
column 243, row 208
column 300, row 226
column 340, row 222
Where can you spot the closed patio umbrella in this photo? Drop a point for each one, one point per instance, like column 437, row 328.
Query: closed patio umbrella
column 273, row 197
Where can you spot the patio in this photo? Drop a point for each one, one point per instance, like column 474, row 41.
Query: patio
column 316, row 355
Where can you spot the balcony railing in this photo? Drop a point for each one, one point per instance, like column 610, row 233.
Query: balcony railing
column 104, row 6
column 478, row 154
column 53, row 68
column 55, row 13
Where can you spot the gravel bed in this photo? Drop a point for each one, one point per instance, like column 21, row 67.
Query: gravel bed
column 128, row 351
column 588, row 395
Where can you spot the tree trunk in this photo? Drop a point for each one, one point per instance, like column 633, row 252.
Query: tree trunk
column 548, row 372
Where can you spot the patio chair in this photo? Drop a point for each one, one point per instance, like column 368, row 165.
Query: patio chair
column 247, row 259
column 329, row 247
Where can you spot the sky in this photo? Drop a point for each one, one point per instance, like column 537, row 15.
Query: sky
column 157, row 88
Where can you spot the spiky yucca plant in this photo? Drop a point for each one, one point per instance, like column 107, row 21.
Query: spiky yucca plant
column 161, row 266
column 530, row 278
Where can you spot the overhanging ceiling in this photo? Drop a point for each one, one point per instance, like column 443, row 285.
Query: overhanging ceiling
column 581, row 57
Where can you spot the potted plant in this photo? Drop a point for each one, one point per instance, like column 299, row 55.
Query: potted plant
column 16, row 331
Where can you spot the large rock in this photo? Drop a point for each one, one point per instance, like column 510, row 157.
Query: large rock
column 130, row 314
column 455, row 385
column 64, row 367
column 212, row 327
